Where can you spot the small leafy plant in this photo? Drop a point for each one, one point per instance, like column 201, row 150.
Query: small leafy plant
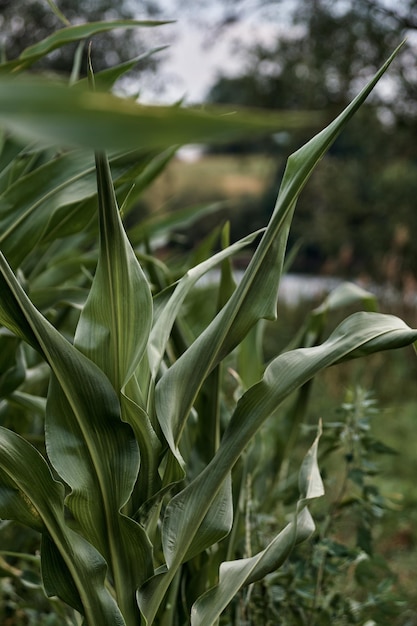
column 125, row 453
column 338, row 577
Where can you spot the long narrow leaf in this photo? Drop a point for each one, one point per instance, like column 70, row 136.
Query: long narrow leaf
column 164, row 323
column 52, row 112
column 256, row 295
column 113, row 331
column 114, row 326
column 45, row 202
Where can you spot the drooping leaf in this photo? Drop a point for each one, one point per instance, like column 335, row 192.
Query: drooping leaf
column 360, row 334
column 30, row 495
column 236, row 574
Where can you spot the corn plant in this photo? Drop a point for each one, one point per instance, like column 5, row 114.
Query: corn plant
column 133, row 471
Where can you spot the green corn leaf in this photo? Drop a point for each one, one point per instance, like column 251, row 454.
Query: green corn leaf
column 346, row 294
column 15, row 161
column 113, row 331
column 34, row 404
column 250, row 356
column 174, row 297
column 27, row 205
column 48, row 202
column 58, row 13
column 29, row 494
column 68, row 35
column 11, row 315
column 52, row 112
column 236, row 574
column 12, row 365
column 115, row 323
column 149, row 482
column 360, row 334
column 127, row 169
column 46, row 299
column 151, row 171
column 256, row 295
column 92, row 450
column 56, row 576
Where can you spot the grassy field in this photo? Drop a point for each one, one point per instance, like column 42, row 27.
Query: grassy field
column 210, row 178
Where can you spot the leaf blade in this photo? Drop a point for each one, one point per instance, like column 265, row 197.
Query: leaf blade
column 256, row 295
column 52, row 112
column 29, row 494
column 236, row 574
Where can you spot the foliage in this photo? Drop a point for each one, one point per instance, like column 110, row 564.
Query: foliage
column 121, row 444
column 344, row 579
column 338, row 577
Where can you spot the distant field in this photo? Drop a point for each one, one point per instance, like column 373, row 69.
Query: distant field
column 211, row 178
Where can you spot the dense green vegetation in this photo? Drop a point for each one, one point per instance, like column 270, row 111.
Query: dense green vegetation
column 161, row 443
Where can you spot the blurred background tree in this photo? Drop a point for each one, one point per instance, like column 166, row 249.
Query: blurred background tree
column 360, row 211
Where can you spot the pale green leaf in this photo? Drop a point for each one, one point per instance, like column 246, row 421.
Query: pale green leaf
column 236, row 574
column 115, row 323
column 360, row 334
column 176, row 295
column 347, row 294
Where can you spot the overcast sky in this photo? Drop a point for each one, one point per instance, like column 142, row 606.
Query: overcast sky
column 199, row 52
